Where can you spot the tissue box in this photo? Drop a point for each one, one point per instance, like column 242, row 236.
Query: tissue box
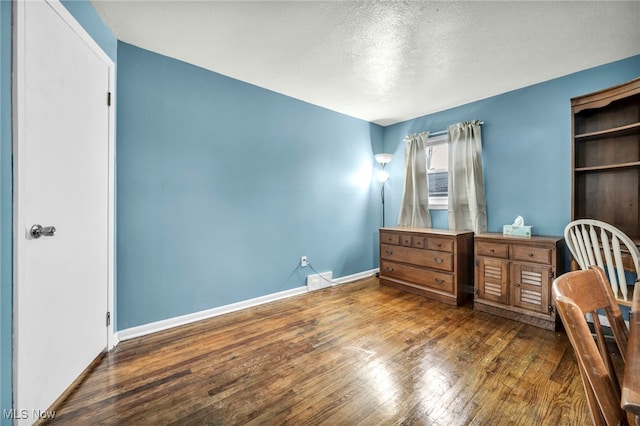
column 517, row 231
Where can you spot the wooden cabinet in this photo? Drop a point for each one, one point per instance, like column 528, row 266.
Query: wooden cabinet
column 436, row 263
column 513, row 277
column 606, row 157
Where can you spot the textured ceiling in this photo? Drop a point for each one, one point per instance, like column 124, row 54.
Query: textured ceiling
column 383, row 62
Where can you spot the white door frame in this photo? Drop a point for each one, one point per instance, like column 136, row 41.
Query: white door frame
column 19, row 173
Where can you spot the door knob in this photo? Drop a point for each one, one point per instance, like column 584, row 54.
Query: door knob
column 38, row 231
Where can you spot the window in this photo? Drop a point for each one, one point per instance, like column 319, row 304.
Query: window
column 438, row 171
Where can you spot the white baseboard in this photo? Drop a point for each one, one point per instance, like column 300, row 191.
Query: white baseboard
column 154, row 327
column 114, row 341
column 354, row 277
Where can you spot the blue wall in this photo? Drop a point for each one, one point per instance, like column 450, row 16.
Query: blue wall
column 6, row 255
column 223, row 185
column 526, row 148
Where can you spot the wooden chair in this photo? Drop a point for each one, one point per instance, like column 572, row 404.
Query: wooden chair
column 592, row 242
column 576, row 294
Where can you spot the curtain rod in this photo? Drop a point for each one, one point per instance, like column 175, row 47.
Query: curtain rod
column 441, row 132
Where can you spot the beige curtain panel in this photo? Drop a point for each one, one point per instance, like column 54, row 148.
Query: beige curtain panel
column 467, row 208
column 414, row 209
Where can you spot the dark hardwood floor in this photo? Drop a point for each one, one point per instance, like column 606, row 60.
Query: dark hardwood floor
column 355, row 354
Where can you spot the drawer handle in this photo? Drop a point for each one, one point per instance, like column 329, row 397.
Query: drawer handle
column 439, row 281
column 438, row 260
column 492, row 250
column 531, row 254
column 389, row 252
column 389, row 268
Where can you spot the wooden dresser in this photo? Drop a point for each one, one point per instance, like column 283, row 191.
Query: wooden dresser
column 436, row 263
column 513, row 277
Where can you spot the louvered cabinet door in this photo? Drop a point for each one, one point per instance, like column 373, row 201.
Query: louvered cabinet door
column 514, row 276
column 530, row 286
column 492, row 280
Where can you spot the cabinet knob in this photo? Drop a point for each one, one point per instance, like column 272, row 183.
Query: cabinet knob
column 438, row 260
column 531, row 254
column 389, row 268
column 492, row 250
column 389, row 252
column 439, row 281
column 517, row 284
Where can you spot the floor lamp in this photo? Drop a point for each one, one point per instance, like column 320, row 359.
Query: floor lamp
column 383, row 176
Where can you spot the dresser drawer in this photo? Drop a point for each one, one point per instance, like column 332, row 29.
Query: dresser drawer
column 426, row 258
column 417, row 276
column 417, row 242
column 440, row 244
column 484, row 248
column 389, row 238
column 531, row 254
column 411, row 241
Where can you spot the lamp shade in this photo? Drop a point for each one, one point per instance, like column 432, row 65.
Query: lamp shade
column 383, row 158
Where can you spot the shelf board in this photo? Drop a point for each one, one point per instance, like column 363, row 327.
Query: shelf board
column 629, row 129
column 611, row 167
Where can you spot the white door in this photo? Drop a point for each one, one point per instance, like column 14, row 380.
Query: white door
column 63, row 178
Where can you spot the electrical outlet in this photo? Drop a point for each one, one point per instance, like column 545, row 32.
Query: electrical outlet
column 303, row 261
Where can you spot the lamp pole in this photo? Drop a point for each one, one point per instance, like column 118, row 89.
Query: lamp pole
column 383, row 176
column 382, row 195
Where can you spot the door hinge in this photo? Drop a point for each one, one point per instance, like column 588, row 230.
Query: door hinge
column 108, row 98
column 108, row 319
